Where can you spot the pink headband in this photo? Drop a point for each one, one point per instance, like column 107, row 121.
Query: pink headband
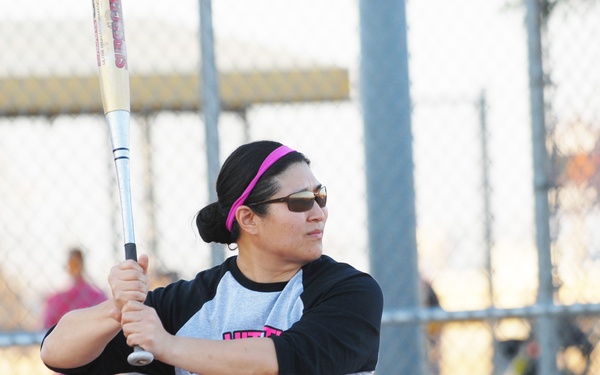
column 277, row 154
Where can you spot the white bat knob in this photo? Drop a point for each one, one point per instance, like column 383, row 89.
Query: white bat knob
column 139, row 357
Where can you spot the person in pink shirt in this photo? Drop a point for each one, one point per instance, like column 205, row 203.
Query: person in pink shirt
column 81, row 293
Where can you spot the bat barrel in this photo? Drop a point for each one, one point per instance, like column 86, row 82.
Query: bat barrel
column 111, row 55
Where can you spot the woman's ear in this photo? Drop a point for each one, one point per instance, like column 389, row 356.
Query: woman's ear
column 246, row 219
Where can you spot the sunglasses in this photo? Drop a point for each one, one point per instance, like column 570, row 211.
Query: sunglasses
column 301, row 201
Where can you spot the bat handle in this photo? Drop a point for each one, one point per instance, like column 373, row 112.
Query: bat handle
column 139, row 357
column 130, row 251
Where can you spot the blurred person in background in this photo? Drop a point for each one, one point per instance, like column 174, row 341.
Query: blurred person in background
column 81, row 293
column 433, row 329
column 279, row 306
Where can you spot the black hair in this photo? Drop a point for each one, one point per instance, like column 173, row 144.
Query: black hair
column 235, row 175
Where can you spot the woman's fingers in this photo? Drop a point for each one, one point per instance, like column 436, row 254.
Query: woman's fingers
column 142, row 327
column 129, row 282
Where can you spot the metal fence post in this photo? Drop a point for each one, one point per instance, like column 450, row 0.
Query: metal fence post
column 545, row 327
column 386, row 107
column 210, row 108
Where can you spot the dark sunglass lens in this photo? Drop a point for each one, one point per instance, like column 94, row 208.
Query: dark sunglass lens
column 300, row 204
column 304, row 201
column 321, row 197
column 321, row 200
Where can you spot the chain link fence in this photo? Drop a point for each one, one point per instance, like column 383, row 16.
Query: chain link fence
column 289, row 70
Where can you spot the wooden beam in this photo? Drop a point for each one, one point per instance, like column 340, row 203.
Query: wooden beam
column 31, row 96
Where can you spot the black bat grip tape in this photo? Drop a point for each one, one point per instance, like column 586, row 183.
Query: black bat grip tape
column 130, row 251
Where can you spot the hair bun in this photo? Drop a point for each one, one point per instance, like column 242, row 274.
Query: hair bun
column 211, row 224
